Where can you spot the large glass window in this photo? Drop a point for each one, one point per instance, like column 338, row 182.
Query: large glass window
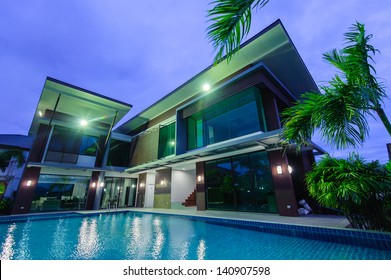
column 119, row 153
column 232, row 117
column 55, row 193
column 88, row 146
column 64, row 140
column 67, row 144
column 166, row 140
column 241, row 183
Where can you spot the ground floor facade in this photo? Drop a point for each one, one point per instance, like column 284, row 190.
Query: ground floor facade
column 253, row 181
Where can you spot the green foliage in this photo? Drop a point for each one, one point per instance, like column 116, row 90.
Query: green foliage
column 361, row 190
column 6, row 156
column 353, row 95
column 5, row 205
column 2, row 188
column 231, row 21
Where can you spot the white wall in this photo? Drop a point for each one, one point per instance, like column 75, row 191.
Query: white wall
column 182, row 184
column 149, row 190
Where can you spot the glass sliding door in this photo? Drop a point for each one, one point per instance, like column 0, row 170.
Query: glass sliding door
column 265, row 198
column 240, row 183
column 118, row 192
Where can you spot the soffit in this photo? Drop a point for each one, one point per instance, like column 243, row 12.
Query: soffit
column 77, row 103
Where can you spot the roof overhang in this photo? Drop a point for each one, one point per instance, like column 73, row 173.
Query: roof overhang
column 75, row 104
column 272, row 46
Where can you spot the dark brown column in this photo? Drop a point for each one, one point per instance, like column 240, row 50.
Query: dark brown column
column 92, row 190
column 25, row 193
column 283, row 185
column 200, row 186
column 142, row 180
column 271, row 109
column 389, row 150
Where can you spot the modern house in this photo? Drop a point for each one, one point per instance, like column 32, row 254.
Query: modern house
column 215, row 139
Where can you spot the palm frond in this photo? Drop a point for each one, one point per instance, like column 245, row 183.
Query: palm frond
column 231, row 21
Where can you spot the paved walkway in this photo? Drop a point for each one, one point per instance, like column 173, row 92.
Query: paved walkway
column 329, row 221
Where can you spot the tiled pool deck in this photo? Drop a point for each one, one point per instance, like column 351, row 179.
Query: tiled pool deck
column 319, row 227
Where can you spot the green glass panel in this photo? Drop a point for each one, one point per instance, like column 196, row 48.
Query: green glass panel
column 166, row 141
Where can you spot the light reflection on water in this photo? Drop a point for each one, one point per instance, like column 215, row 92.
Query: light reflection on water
column 7, row 250
column 88, row 241
column 158, row 237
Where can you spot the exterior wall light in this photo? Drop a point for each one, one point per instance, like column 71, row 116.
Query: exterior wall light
column 93, row 184
column 206, row 87
column 142, row 185
column 40, row 113
column 83, row 122
column 290, row 169
column 279, row 169
column 102, row 184
column 162, row 183
column 199, row 178
column 172, row 143
column 28, row 183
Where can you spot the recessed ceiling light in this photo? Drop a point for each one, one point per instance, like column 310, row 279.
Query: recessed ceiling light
column 206, row 87
column 83, row 122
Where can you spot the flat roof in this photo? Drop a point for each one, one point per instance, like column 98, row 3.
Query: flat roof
column 78, row 103
column 16, row 141
column 272, row 46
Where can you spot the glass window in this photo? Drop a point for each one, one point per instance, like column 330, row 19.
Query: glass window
column 55, row 193
column 244, row 195
column 166, row 140
column 64, row 140
column 233, row 117
column 88, row 146
column 119, row 153
column 120, row 192
column 265, row 198
column 241, row 183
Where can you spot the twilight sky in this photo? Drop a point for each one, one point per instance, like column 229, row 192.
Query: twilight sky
column 138, row 51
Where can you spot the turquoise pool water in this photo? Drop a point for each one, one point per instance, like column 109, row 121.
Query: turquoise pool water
column 161, row 237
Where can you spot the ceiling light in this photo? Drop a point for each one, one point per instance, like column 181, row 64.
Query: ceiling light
column 206, row 87
column 83, row 122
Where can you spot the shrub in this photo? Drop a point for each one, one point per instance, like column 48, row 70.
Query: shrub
column 360, row 189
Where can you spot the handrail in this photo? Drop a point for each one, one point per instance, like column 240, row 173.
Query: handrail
column 115, row 205
column 108, row 206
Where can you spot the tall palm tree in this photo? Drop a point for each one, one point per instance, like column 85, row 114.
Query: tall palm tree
column 231, row 21
column 354, row 94
column 6, row 156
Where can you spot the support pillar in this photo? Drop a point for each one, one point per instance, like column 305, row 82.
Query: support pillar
column 283, row 185
column 200, row 186
column 25, row 193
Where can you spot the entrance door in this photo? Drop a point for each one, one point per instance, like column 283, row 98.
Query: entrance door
column 149, row 195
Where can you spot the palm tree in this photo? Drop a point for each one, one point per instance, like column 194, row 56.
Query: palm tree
column 360, row 189
column 231, row 21
column 354, row 94
column 6, row 156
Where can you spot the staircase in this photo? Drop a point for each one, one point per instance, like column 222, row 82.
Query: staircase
column 190, row 200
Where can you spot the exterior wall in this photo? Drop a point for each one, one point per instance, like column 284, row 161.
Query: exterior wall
column 200, row 186
column 145, row 148
column 140, row 197
column 182, row 185
column 162, row 197
column 25, row 193
column 283, row 184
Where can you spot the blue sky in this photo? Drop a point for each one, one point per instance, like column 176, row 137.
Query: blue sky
column 138, row 51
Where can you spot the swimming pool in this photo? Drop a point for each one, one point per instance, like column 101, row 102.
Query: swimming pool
column 141, row 236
